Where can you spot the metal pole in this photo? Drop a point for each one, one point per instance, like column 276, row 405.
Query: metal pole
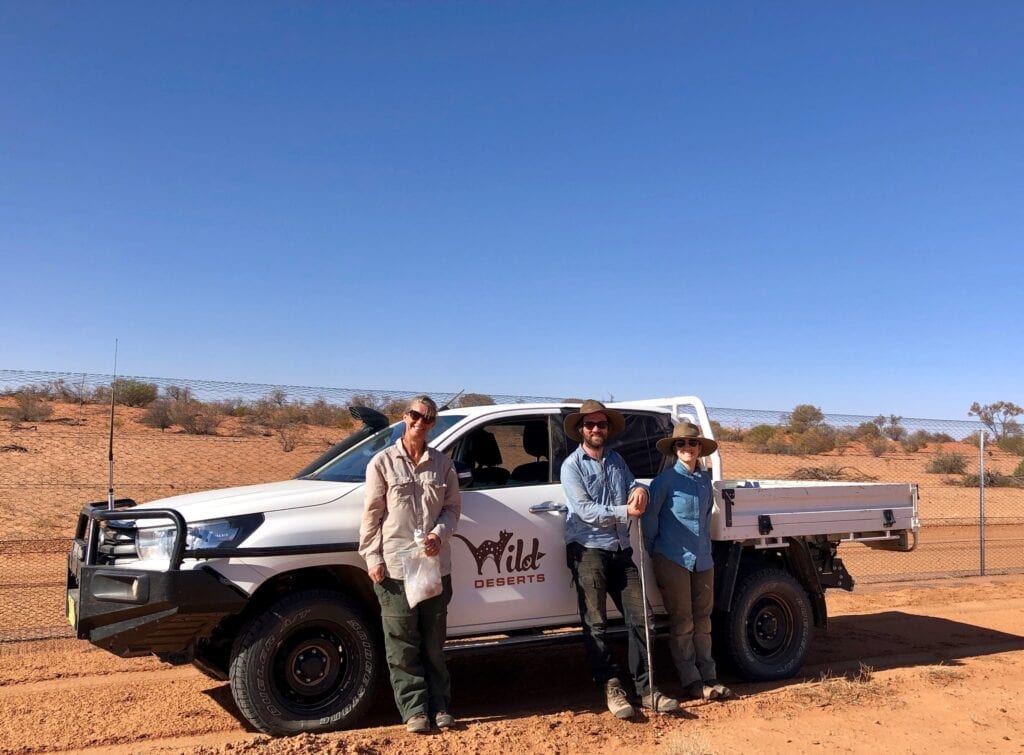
column 981, row 495
column 647, row 611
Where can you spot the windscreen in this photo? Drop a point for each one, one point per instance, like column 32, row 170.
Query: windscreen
column 351, row 465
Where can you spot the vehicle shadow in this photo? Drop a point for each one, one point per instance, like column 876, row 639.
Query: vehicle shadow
column 523, row 682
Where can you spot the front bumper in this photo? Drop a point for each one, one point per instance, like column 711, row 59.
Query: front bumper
column 132, row 612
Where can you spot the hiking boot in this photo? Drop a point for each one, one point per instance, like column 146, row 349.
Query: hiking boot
column 715, row 690
column 444, row 720
column 418, row 724
column 712, row 689
column 659, row 703
column 617, row 701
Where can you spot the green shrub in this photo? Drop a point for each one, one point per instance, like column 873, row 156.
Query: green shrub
column 726, row 433
column 815, row 440
column 940, row 438
column 952, row 463
column 1013, row 444
column 328, row 415
column 759, row 435
column 1019, row 471
column 866, row 431
column 128, row 392
column 777, row 444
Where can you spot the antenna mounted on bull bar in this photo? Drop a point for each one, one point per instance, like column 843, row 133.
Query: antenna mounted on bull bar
column 110, row 447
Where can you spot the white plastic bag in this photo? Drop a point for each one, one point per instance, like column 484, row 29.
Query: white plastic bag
column 422, row 575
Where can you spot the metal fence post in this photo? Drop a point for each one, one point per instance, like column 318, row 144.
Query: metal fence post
column 981, row 494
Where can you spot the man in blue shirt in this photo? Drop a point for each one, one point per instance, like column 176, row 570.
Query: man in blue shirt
column 602, row 495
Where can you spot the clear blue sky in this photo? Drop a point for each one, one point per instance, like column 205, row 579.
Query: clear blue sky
column 764, row 203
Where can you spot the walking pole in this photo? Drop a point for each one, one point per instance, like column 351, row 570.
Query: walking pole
column 647, row 626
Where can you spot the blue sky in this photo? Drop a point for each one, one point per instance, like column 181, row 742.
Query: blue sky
column 763, row 203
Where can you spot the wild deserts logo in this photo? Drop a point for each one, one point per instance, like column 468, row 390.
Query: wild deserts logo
column 516, row 560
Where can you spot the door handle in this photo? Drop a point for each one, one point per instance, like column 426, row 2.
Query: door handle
column 540, row 508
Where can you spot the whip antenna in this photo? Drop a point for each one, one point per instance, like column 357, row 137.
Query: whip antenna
column 110, row 447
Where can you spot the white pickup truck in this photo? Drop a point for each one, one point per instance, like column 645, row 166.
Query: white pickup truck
column 262, row 585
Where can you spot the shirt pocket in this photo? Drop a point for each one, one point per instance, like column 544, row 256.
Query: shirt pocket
column 433, row 487
column 401, row 489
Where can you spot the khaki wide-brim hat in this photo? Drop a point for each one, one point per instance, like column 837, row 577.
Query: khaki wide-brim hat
column 686, row 430
column 616, row 422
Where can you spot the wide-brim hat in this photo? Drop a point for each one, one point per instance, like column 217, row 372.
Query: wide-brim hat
column 686, row 430
column 616, row 422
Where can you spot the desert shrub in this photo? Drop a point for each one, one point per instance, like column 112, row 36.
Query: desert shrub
column 892, row 428
column 974, row 439
column 759, row 435
column 177, row 393
column 61, row 390
column 865, row 431
column 1019, row 471
column 128, row 392
column 365, row 399
column 915, row 441
column 877, row 446
column 844, row 437
column 394, row 408
column 196, row 417
column 952, row 463
column 29, row 407
column 320, row 412
column 158, row 414
column 475, row 399
column 815, row 440
column 777, row 444
column 232, row 407
column 993, row 480
column 726, row 433
column 290, row 435
column 1013, row 444
column 804, row 417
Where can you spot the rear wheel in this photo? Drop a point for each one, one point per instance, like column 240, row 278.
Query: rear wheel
column 770, row 626
column 309, row 663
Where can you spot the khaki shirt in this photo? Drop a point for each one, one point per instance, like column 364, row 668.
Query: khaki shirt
column 401, row 497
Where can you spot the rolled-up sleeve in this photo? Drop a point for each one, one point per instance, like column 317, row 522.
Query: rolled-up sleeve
column 581, row 503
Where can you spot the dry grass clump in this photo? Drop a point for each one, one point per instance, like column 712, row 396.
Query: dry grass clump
column 856, row 689
column 830, row 473
column 942, row 675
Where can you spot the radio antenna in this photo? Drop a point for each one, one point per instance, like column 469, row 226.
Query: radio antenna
column 110, row 447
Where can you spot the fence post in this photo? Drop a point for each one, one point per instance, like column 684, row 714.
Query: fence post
column 981, row 494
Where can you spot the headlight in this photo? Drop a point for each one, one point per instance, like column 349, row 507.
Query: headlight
column 156, row 543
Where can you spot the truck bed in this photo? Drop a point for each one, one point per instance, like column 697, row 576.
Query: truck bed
column 758, row 509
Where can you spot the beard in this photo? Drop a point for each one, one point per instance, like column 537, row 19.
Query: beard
column 595, row 441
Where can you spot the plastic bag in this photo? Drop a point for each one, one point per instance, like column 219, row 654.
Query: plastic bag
column 422, row 576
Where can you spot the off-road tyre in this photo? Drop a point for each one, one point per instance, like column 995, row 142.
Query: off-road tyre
column 309, row 663
column 769, row 626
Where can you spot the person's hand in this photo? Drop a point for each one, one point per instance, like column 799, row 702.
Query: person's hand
column 378, row 573
column 432, row 544
column 636, row 504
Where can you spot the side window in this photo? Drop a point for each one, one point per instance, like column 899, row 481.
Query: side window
column 636, row 442
column 507, row 452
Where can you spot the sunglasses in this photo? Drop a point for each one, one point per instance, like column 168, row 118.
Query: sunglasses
column 691, row 442
column 599, row 424
column 415, row 416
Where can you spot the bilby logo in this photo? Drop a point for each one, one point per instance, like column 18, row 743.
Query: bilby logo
column 516, row 559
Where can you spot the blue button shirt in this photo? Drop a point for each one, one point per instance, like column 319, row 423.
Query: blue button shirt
column 677, row 522
column 596, row 492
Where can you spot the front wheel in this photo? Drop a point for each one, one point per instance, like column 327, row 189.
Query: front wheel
column 309, row 663
column 769, row 626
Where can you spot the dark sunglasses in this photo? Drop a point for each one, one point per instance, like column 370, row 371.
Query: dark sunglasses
column 591, row 424
column 691, row 442
column 415, row 416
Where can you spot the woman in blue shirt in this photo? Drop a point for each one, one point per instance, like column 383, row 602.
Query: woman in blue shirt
column 677, row 535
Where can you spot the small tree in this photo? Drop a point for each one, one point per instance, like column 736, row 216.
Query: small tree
column 475, row 399
column 998, row 417
column 892, row 429
column 804, row 417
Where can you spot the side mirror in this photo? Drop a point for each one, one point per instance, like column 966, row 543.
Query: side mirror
column 464, row 472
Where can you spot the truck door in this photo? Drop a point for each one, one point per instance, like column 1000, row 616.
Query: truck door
column 508, row 556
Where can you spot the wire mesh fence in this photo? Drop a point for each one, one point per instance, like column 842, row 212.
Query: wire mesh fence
column 182, row 436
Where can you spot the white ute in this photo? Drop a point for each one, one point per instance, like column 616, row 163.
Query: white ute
column 262, row 585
